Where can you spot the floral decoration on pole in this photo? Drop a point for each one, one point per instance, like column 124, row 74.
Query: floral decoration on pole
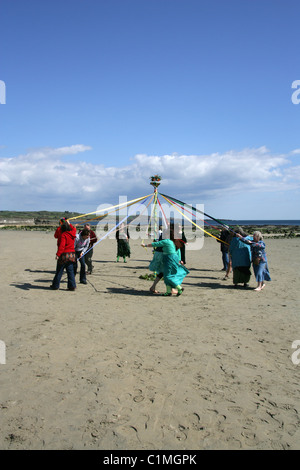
column 155, row 180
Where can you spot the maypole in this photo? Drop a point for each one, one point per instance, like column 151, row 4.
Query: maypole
column 155, row 182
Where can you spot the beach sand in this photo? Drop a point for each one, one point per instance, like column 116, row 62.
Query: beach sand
column 112, row 367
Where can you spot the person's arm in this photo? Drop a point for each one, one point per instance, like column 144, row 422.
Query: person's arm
column 73, row 229
column 93, row 237
column 61, row 246
column 244, row 240
column 76, row 243
column 85, row 246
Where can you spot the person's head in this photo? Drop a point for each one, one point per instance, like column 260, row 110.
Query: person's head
column 87, row 226
column 257, row 236
column 240, row 231
column 85, row 233
column 65, row 226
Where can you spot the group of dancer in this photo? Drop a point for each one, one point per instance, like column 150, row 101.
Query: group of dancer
column 238, row 249
column 71, row 248
column 167, row 261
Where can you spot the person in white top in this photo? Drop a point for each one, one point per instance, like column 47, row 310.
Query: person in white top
column 82, row 242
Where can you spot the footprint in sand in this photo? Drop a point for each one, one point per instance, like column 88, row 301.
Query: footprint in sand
column 139, row 397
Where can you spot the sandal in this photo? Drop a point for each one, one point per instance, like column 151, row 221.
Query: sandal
column 166, row 294
column 180, row 291
column 153, row 291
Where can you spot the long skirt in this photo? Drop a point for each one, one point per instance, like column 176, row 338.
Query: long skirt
column 123, row 248
column 261, row 272
column 174, row 273
column 241, row 275
column 157, row 262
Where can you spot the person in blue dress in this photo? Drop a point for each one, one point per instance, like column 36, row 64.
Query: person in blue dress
column 259, row 259
column 240, row 254
column 173, row 271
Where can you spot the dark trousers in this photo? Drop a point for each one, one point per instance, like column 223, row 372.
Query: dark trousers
column 69, row 266
column 225, row 259
column 88, row 260
column 82, row 274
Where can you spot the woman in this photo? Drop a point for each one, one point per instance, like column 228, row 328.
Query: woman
column 123, row 248
column 173, row 271
column 259, row 259
column 65, row 256
column 157, row 266
column 240, row 254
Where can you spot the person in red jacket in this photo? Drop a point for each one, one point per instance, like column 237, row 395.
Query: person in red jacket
column 57, row 233
column 65, row 256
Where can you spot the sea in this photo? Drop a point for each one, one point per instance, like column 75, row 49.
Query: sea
column 259, row 222
column 232, row 222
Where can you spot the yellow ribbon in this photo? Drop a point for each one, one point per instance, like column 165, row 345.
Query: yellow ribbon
column 133, row 201
column 192, row 221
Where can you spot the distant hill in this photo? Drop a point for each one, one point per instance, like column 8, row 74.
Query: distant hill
column 33, row 218
column 49, row 215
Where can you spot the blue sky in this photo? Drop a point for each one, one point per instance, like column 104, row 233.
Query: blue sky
column 102, row 94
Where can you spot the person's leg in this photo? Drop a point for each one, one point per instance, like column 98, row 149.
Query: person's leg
column 82, row 275
column 225, row 260
column 258, row 271
column 156, row 281
column 75, row 264
column 168, row 291
column 88, row 261
column 179, row 290
column 56, row 280
column 259, row 286
column 71, row 276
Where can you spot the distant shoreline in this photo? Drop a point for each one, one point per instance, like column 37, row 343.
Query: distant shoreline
column 48, row 221
column 268, row 231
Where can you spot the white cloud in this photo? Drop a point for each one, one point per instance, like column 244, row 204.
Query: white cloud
column 42, row 179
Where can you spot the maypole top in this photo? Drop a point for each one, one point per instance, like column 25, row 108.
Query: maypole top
column 155, row 181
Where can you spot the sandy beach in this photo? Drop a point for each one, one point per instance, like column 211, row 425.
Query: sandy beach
column 112, row 367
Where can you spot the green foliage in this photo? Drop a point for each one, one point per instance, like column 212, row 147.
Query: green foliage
column 45, row 215
column 148, row 277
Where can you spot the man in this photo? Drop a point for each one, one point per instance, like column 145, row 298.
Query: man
column 82, row 242
column 224, row 237
column 89, row 255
